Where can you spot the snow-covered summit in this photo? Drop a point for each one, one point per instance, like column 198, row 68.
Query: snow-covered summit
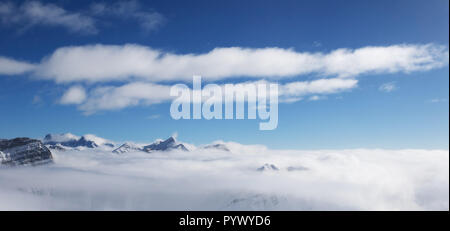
column 128, row 147
column 69, row 140
column 169, row 144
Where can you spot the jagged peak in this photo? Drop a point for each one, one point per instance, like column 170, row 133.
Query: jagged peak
column 164, row 145
column 71, row 140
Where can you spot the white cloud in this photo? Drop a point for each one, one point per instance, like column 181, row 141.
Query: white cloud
column 358, row 179
column 34, row 13
column 388, row 87
column 143, row 93
column 140, row 67
column 74, row 95
column 94, row 63
column 148, row 20
column 132, row 94
column 320, row 86
column 13, row 67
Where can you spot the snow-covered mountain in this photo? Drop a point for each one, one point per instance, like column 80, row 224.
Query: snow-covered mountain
column 166, row 145
column 128, row 147
column 23, row 151
column 160, row 145
column 68, row 140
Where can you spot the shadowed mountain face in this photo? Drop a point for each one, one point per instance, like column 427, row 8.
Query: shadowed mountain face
column 165, row 145
column 127, row 147
column 24, row 151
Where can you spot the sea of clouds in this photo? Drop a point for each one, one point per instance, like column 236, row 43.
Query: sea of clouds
column 208, row 179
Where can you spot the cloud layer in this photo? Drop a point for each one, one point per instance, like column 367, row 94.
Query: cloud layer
column 97, row 63
column 206, row 179
column 143, row 93
column 143, row 71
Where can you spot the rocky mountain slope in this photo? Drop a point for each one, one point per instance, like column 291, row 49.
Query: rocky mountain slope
column 24, row 151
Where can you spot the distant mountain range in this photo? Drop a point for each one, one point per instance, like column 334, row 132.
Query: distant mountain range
column 68, row 141
column 26, row 151
column 73, row 141
column 160, row 145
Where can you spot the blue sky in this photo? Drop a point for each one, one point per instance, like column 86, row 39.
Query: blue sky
column 413, row 114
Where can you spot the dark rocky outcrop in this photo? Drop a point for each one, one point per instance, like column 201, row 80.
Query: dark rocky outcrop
column 24, row 151
column 268, row 167
column 56, row 147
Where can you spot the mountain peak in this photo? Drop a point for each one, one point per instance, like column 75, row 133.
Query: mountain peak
column 166, row 145
column 70, row 140
column 127, row 147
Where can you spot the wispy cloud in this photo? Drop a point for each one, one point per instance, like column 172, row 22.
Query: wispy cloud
column 388, row 87
column 10, row 66
column 34, row 13
column 438, row 100
column 149, row 20
column 143, row 93
column 316, row 98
